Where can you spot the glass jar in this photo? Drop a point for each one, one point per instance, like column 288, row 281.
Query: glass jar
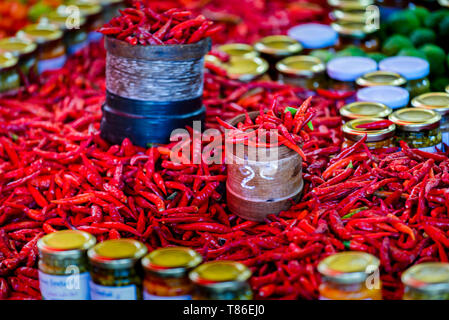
column 349, row 4
column 426, row 281
column 439, row 102
column 381, row 78
column 115, row 271
column 63, row 255
column 303, row 71
column 275, row 48
column 356, row 33
column 9, row 75
column 314, row 36
column 357, row 110
column 420, row 128
column 393, row 97
column 23, row 49
column 414, row 70
column 51, row 51
column 221, row 280
column 375, row 138
column 238, row 50
column 344, row 71
column 350, row 275
column 110, row 9
column 246, row 69
column 166, row 273
column 75, row 36
column 90, row 9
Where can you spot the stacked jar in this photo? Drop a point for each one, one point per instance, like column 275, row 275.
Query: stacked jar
column 426, row 281
column 381, row 78
column 358, row 110
column 375, row 138
column 303, row 71
column 23, row 49
column 350, row 10
column 9, row 76
column 314, row 36
column 393, row 97
column 91, row 10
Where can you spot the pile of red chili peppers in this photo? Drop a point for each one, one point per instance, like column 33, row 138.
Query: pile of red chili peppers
column 57, row 173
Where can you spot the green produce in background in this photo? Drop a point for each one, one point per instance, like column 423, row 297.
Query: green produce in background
column 403, row 22
column 396, row 43
column 38, row 10
column 376, row 56
column 444, row 29
column 439, row 84
column 351, row 51
column 434, row 18
column 412, row 52
column 323, row 55
column 423, row 36
column 436, row 57
column 421, row 13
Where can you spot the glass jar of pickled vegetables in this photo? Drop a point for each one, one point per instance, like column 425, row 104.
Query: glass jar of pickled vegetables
column 375, row 138
column 23, row 49
column 414, row 70
column 110, row 9
column 275, row 48
column 357, row 110
column 221, row 280
column 426, row 281
column 91, row 9
column 350, row 275
column 393, row 97
column 63, row 265
column 75, row 35
column 246, row 69
column 51, row 51
column 344, row 71
column 356, row 33
column 420, row 128
column 115, row 271
column 238, row 50
column 381, row 78
column 303, row 71
column 439, row 102
column 166, row 273
column 9, row 75
column 314, row 36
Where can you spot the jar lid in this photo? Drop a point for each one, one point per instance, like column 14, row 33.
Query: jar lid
column 350, row 68
column 171, row 261
column 59, row 17
column 66, row 243
column 87, row 8
column 444, row 3
column 355, row 28
column 41, row 32
column 415, row 119
column 364, row 109
column 301, row 66
column 246, row 69
column 393, row 97
column 348, row 267
column 314, row 35
column 381, row 78
column 17, row 46
column 411, row 68
column 438, row 101
column 350, row 4
column 238, row 50
column 357, row 15
column 7, row 60
column 278, row 46
column 352, row 132
column 428, row 276
column 117, row 254
column 110, row 2
column 220, row 274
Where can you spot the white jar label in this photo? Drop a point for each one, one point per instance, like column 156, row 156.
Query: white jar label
column 99, row 292
column 148, row 296
column 51, row 64
column 64, row 287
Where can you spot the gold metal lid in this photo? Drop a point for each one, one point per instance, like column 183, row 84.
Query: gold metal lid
column 278, row 46
column 66, row 244
column 363, row 109
column 7, row 60
column 415, row 119
column 117, row 254
column 171, row 261
column 353, row 28
column 17, row 46
column 437, row 101
column 87, row 7
column 110, row 2
column 59, row 17
column 348, row 267
column 301, row 66
column 429, row 277
column 238, row 50
column 352, row 132
column 350, row 4
column 41, row 32
column 381, row 78
column 220, row 274
column 246, row 69
column 354, row 15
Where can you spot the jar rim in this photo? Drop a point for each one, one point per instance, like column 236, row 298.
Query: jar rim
column 415, row 119
column 171, row 261
column 220, row 274
column 239, row 49
column 27, row 46
column 427, row 276
column 349, row 4
column 438, row 101
column 66, row 243
column 368, row 79
column 41, row 32
column 265, row 45
column 351, row 132
column 311, row 66
column 362, row 109
column 257, row 67
column 353, row 28
column 117, row 253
